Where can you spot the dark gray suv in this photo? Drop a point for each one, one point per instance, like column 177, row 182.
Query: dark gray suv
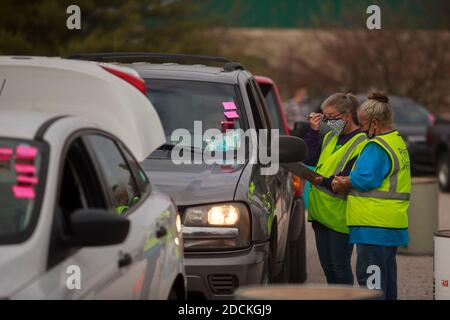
column 240, row 226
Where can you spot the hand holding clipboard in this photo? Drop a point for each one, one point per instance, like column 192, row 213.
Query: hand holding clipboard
column 300, row 170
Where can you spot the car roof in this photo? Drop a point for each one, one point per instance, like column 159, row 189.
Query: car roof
column 84, row 89
column 264, row 80
column 175, row 71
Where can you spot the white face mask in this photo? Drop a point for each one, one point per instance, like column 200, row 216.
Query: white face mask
column 336, row 126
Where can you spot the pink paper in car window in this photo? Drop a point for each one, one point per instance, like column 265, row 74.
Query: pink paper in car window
column 25, row 169
column 229, row 105
column 231, row 115
column 26, row 153
column 27, row 180
column 5, row 154
column 23, row 192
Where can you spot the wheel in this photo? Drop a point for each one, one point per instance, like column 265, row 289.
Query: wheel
column 443, row 171
column 297, row 259
column 268, row 276
column 293, row 269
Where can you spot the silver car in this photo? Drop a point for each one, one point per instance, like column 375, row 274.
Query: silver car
column 79, row 218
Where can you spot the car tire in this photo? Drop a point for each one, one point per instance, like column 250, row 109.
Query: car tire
column 293, row 269
column 297, row 259
column 443, row 171
column 268, row 275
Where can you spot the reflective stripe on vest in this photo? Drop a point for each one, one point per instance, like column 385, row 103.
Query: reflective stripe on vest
column 325, row 206
column 392, row 194
column 326, row 140
column 387, row 206
column 340, row 167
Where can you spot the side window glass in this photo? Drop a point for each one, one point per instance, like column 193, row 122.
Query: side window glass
column 261, row 103
column 120, row 182
column 141, row 177
column 254, row 105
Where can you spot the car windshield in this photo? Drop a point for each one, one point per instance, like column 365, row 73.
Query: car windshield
column 180, row 103
column 407, row 112
column 20, row 183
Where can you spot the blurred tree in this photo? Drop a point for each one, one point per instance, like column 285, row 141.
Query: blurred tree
column 413, row 64
column 39, row 27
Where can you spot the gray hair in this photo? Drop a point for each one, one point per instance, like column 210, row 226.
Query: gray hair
column 377, row 107
column 343, row 102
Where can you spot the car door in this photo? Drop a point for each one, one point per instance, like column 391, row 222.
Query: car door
column 74, row 272
column 274, row 184
column 142, row 254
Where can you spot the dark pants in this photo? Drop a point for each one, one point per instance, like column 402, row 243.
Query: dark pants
column 335, row 254
column 383, row 257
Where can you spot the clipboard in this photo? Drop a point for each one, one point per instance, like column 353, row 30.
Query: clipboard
column 299, row 169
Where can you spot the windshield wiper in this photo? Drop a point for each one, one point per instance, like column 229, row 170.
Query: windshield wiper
column 169, row 147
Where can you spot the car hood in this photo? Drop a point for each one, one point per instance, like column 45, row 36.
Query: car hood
column 190, row 184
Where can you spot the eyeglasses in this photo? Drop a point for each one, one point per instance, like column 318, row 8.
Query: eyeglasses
column 325, row 119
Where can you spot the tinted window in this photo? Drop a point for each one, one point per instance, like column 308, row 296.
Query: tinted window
column 272, row 105
column 139, row 174
column 407, row 112
column 120, row 182
column 21, row 181
column 180, row 103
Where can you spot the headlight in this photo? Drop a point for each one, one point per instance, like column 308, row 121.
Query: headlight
column 217, row 226
column 223, row 215
column 178, row 223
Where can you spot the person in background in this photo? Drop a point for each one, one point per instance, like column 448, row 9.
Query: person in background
column 295, row 108
column 378, row 190
column 121, row 198
column 333, row 155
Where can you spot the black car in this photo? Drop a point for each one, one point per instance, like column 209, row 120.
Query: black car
column 237, row 221
column 438, row 141
column 411, row 120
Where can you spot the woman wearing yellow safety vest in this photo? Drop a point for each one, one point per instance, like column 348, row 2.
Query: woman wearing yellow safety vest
column 378, row 191
column 333, row 155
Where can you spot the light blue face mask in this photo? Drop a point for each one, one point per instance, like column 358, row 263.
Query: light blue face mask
column 337, row 126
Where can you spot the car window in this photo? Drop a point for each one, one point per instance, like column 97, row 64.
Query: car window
column 258, row 115
column 407, row 112
column 272, row 106
column 180, row 103
column 79, row 187
column 141, row 177
column 120, row 183
column 21, row 179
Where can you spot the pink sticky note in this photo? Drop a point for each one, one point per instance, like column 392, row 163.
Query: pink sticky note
column 229, row 105
column 25, row 168
column 23, row 192
column 26, row 153
column 27, row 180
column 5, row 154
column 231, row 115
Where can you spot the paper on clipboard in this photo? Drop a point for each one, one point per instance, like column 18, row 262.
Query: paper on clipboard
column 300, row 170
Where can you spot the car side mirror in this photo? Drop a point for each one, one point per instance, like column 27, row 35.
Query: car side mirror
column 97, row 227
column 292, row 149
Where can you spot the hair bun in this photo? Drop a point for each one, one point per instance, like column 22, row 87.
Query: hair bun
column 379, row 96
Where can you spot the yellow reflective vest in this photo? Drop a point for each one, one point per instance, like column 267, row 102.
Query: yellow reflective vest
column 387, row 206
column 325, row 206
